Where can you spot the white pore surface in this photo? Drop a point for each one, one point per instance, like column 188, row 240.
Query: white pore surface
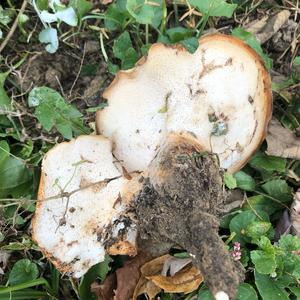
column 71, row 166
column 176, row 91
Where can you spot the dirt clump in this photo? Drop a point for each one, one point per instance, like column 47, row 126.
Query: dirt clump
column 178, row 206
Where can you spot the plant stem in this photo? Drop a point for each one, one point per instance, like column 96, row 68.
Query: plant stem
column 175, row 7
column 203, row 24
column 147, row 33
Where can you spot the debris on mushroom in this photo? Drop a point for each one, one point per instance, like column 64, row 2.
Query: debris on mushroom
column 221, row 94
column 79, row 214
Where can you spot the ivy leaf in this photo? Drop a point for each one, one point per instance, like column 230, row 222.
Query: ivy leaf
column 177, row 34
column 52, row 111
column 261, row 203
column 49, row 36
column 146, row 12
column 244, row 181
column 251, row 40
column 289, row 242
column 269, row 288
column 124, row 50
column 214, row 8
column 23, row 271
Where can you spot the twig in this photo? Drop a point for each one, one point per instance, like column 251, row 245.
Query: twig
column 14, row 26
column 80, row 67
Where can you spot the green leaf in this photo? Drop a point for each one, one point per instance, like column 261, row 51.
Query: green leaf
column 261, row 203
column 82, row 7
column 5, row 102
column 251, row 40
column 265, row 162
column 239, row 225
column 289, row 242
column 244, row 181
column 52, row 111
column 177, row 34
column 23, row 271
column 296, row 291
column 97, row 271
column 264, row 262
column 13, row 172
column 205, row 295
column 25, row 294
column 230, row 180
column 191, row 44
column 279, row 189
column 49, row 36
column 116, row 16
column 214, row 8
column 258, row 228
column 146, row 12
column 42, row 4
column 246, row 292
column 5, row 16
column 296, row 61
column 123, row 50
column 268, row 288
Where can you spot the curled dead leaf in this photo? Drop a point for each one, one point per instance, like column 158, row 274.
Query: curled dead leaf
column 186, row 278
column 282, row 142
column 267, row 26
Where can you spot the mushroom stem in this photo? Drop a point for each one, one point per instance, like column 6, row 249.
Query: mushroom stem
column 179, row 204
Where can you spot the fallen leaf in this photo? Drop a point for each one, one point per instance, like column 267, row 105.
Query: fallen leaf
column 185, row 277
column 105, row 291
column 4, row 257
column 283, row 226
column 266, row 27
column 128, row 276
column 185, row 281
column 147, row 287
column 282, row 142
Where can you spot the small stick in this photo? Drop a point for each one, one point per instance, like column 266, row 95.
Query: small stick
column 14, row 26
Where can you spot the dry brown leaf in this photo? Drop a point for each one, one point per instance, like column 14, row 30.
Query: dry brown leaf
column 128, row 276
column 186, row 279
column 105, row 291
column 295, row 214
column 147, row 287
column 282, row 142
column 267, row 26
column 106, row 2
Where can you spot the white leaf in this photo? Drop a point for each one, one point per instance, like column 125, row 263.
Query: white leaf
column 68, row 16
column 49, row 36
column 48, row 17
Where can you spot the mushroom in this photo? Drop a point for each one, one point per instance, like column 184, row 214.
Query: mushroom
column 221, row 94
column 81, row 199
column 179, row 119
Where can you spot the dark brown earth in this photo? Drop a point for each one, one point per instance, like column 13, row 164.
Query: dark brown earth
column 178, row 206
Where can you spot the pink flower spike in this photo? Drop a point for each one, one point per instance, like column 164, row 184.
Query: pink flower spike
column 236, row 253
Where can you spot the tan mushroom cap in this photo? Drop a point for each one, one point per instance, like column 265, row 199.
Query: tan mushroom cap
column 221, row 94
column 72, row 233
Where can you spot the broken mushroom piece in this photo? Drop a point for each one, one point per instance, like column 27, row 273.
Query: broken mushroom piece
column 221, row 94
column 79, row 214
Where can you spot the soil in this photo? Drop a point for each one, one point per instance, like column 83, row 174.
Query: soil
column 178, row 206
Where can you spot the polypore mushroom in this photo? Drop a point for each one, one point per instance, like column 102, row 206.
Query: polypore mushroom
column 81, row 198
column 221, row 94
column 168, row 117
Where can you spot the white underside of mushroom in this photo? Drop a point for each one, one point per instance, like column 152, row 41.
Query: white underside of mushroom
column 175, row 91
column 69, row 232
